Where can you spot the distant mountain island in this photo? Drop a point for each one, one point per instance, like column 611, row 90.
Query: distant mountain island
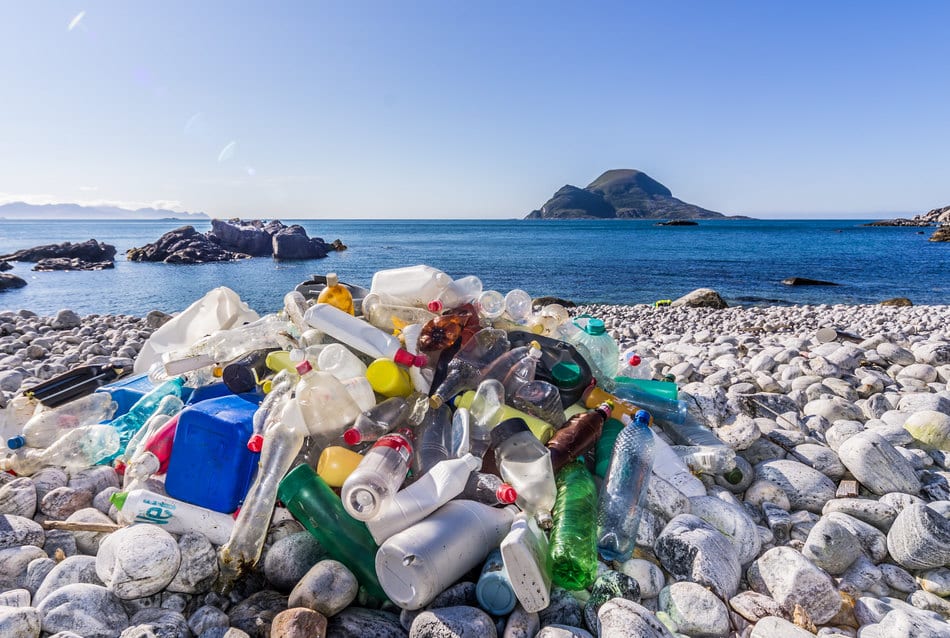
column 622, row 193
column 22, row 210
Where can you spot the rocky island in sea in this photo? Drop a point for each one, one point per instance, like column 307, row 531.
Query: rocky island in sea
column 939, row 217
column 621, row 194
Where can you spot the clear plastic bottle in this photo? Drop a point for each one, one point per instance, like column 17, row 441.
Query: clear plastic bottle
column 578, row 435
column 389, row 316
column 168, row 408
column 550, row 318
column 378, row 421
column 668, row 465
column 152, row 455
column 433, row 440
column 573, row 548
column 272, row 405
column 133, row 420
column 515, row 368
column 327, row 407
column 542, row 400
column 624, row 490
column 487, row 404
column 541, row 429
column 459, row 292
column 673, row 411
column 227, row 345
column 518, row 306
column 76, row 449
column 466, row 366
column 340, row 362
column 360, row 335
column 295, row 305
column 378, row 477
column 336, row 295
column 43, row 429
column 525, row 463
column 490, row 304
column 597, row 346
column 634, row 366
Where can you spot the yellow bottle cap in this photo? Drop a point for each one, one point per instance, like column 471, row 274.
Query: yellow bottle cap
column 336, row 463
column 389, row 379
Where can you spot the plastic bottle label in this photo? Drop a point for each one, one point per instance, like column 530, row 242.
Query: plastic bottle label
column 397, row 443
column 158, row 514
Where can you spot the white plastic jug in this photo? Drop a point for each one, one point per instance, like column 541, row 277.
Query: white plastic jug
column 410, row 286
column 524, row 552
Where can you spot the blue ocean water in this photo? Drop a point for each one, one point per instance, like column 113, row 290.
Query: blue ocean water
column 610, row 261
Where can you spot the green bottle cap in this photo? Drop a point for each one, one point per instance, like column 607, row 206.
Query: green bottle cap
column 565, row 374
column 118, row 499
column 595, row 326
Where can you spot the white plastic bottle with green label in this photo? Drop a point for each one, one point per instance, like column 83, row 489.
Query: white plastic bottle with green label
column 174, row 516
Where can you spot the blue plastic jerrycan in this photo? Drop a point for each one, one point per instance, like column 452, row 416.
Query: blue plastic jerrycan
column 210, row 464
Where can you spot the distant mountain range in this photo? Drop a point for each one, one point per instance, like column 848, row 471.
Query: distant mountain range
column 22, row 210
column 621, row 194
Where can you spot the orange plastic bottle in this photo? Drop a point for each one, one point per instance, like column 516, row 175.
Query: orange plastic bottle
column 336, row 294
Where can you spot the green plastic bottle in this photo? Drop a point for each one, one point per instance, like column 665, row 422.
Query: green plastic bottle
column 572, row 554
column 605, row 446
column 320, row 510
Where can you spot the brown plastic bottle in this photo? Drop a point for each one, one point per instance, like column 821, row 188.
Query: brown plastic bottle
column 578, row 435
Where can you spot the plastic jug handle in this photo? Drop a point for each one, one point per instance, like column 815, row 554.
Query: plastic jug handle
column 584, row 316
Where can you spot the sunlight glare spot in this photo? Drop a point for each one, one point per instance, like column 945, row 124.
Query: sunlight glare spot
column 227, row 152
column 75, row 21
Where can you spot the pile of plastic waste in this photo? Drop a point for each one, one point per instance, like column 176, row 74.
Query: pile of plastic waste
column 418, row 429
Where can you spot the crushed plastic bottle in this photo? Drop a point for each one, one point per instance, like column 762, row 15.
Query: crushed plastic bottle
column 542, row 400
column 76, row 449
column 433, row 440
column 633, row 366
column 43, row 429
column 129, row 423
column 378, row 421
column 466, row 366
column 515, row 368
column 526, row 464
column 327, row 407
column 488, row 489
column 272, row 405
column 389, row 316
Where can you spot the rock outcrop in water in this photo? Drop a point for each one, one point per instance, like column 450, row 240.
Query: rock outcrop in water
column 930, row 218
column 621, row 194
column 90, row 251
column 941, row 234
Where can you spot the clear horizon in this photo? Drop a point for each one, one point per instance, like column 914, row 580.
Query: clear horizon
column 429, row 110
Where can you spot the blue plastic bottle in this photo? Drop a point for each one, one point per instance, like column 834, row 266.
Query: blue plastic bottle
column 210, row 464
column 493, row 590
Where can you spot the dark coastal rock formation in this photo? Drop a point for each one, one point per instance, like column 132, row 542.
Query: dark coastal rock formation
column 805, row 281
column 62, row 263
column 930, row 218
column 541, row 302
column 234, row 239
column 941, row 234
column 678, row 222
column 87, row 251
column 897, row 301
column 620, row 194
column 8, row 282
column 5, row 265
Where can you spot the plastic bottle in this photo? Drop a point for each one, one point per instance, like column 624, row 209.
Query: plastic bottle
column 44, row 428
column 624, row 490
column 541, row 429
column 378, row 476
column 433, row 440
column 487, row 404
column 313, row 503
column 270, row 407
column 339, row 361
column 518, row 306
column 578, row 435
column 247, row 372
column 388, row 379
column 525, row 463
column 440, row 332
column 435, row 488
column 572, row 554
column 379, row 420
column 336, row 463
column 172, row 515
column 668, row 465
column 604, row 448
column 387, row 316
column 488, row 489
column 459, row 292
column 336, row 295
column 411, row 286
column 551, row 317
column 417, row 564
column 278, row 361
column 227, row 345
column 421, row 377
column 493, row 590
column 75, row 449
column 599, row 348
column 515, row 368
column 660, row 408
column 360, row 335
column 295, row 305
column 327, row 407
column 542, row 400
column 466, row 366
column 595, row 395
column 361, row 391
column 490, row 304
column 634, row 366
column 524, row 552
column 282, row 442
column 133, row 420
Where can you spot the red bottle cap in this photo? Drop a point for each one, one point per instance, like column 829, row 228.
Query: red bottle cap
column 255, row 443
column 352, row 437
column 435, row 306
column 406, row 358
column 634, row 360
column 304, row 367
column 506, row 494
column 119, row 468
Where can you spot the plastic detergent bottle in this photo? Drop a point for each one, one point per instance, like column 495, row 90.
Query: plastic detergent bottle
column 336, row 295
column 466, row 366
column 327, row 406
column 76, row 449
column 524, row 552
column 389, row 379
column 379, row 420
column 411, row 286
column 172, row 515
column 599, row 348
column 542, row 400
column 459, row 292
column 624, row 490
column 573, row 548
column 313, row 503
column 525, row 463
column 578, row 435
column 379, row 475
column 44, row 428
column 360, row 335
column 445, row 481
column 493, row 589
column 336, row 463
column 417, row 564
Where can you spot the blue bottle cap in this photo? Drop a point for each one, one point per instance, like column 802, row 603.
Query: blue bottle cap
column 494, row 594
column 16, row 442
column 642, row 418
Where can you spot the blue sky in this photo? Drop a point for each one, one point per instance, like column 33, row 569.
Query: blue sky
column 464, row 109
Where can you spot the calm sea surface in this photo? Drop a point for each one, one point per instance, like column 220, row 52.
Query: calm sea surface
column 617, row 261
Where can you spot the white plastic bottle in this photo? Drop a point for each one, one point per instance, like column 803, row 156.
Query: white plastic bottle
column 374, row 482
column 432, row 490
column 358, row 334
column 417, row 564
column 176, row 517
column 410, row 286
column 524, row 552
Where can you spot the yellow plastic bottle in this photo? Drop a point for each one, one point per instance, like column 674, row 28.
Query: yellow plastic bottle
column 336, row 294
column 388, row 378
column 594, row 396
column 336, row 463
column 539, row 427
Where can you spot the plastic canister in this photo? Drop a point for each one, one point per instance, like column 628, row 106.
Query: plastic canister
column 210, row 464
column 389, row 379
column 128, row 390
column 336, row 463
column 412, row 285
column 417, row 564
column 524, row 552
column 493, row 590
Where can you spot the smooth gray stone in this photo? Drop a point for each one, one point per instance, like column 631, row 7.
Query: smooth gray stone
column 920, row 401
column 88, row 542
column 89, row 610
column 900, row 624
column 775, row 627
column 831, row 546
column 93, row 480
column 664, row 499
column 328, row 587
column 936, row 581
column 58, row 504
column 862, row 578
column 732, row 521
column 806, row 488
column 357, row 622
column 256, row 612
column 610, row 584
column 521, row 624
column 199, row 565
column 223, row 632
column 899, row 579
column 290, row 558
column 73, row 570
column 17, row 530
column 36, row 573
column 205, row 618
column 691, row 549
column 62, row 541
column 762, row 450
column 876, row 513
column 877, row 465
column 899, row 501
column 820, row 458
column 841, row 431
column 14, row 562
column 833, row 409
column 160, row 623
column 790, row 579
column 18, row 497
column 138, row 561
column 919, row 538
column 621, row 617
column 754, row 606
column 873, row 541
column 20, row 622
column 449, row 622
column 694, row 610
column 562, row 631
column 15, row 598
column 564, row 609
column 48, row 479
column 648, row 575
